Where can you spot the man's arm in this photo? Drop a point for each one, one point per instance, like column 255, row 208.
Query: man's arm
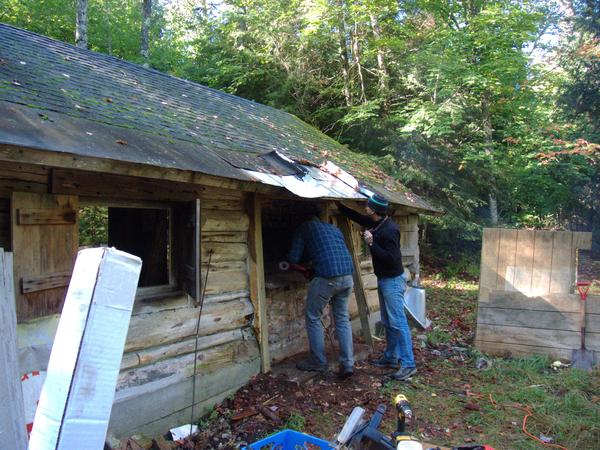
column 365, row 221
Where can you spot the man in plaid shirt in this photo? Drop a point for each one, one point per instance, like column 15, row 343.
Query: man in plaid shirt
column 323, row 245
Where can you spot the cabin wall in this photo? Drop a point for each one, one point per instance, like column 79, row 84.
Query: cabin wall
column 154, row 390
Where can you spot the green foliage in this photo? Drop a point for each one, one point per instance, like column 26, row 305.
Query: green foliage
column 444, row 94
column 295, row 421
column 93, row 226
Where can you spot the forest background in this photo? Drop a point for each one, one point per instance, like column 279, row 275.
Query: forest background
column 490, row 109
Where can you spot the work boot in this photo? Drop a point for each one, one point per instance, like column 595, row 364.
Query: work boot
column 384, row 363
column 404, row 373
column 311, row 366
column 345, row 372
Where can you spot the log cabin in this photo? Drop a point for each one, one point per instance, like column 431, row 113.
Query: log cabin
column 204, row 186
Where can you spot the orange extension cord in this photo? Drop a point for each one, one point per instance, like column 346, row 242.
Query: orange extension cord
column 528, row 414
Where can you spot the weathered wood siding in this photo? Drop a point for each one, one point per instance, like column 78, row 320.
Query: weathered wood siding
column 527, row 298
column 155, row 383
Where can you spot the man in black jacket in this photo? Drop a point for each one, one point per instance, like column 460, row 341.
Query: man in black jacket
column 383, row 238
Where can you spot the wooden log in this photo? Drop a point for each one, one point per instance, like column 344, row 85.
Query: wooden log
column 257, row 279
column 226, row 281
column 135, row 409
column 135, row 187
column 224, row 236
column 181, row 301
column 12, row 414
column 22, row 178
column 210, row 360
column 151, row 355
column 49, row 281
column 217, row 220
column 224, row 251
column 41, row 216
column 149, row 330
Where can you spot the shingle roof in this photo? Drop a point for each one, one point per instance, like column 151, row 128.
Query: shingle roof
column 58, row 97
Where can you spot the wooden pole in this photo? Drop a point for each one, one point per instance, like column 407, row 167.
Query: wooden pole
column 359, row 288
column 12, row 413
column 257, row 280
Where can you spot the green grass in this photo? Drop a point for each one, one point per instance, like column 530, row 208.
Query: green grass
column 455, row 403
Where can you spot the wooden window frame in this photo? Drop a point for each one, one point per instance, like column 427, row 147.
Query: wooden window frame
column 147, row 292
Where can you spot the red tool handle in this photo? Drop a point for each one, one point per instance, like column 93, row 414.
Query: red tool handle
column 583, row 287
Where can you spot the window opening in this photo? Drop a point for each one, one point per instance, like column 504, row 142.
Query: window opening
column 143, row 232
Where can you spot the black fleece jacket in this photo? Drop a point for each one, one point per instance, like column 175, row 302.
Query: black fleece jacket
column 385, row 250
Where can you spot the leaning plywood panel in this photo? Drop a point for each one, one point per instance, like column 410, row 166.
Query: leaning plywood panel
column 12, row 415
column 77, row 397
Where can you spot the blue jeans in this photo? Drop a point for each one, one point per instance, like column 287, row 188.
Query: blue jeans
column 322, row 291
column 397, row 333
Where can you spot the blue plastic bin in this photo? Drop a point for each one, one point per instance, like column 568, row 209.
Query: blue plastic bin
column 290, row 440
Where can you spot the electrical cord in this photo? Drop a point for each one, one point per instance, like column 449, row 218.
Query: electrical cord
column 528, row 414
column 210, row 253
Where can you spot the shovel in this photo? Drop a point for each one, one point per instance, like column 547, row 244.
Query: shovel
column 583, row 359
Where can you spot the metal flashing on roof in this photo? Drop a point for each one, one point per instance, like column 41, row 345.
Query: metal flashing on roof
column 314, row 184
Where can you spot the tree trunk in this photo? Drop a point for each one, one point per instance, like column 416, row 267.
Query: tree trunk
column 356, row 54
column 107, row 16
column 489, row 151
column 493, row 203
column 382, row 71
column 344, row 59
column 146, row 17
column 81, row 37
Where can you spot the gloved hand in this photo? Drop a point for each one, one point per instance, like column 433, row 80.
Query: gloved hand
column 368, row 237
column 416, row 282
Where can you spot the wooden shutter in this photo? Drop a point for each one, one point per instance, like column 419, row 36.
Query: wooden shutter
column 187, row 244
column 45, row 239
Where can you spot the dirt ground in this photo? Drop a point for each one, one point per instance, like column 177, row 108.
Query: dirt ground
column 319, row 404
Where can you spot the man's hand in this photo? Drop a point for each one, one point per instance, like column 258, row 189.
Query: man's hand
column 368, row 237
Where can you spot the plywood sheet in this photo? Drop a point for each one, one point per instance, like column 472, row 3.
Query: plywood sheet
column 562, row 276
column 524, row 260
column 542, row 262
column 507, row 257
column 489, row 263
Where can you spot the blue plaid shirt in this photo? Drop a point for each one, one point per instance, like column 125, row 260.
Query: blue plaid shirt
column 324, row 245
